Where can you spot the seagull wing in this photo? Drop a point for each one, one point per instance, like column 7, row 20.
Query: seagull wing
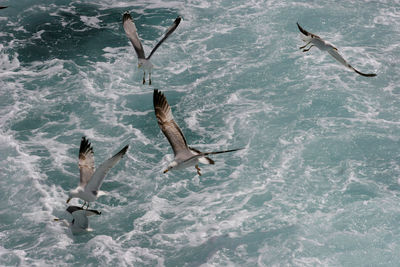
column 170, row 30
column 306, row 32
column 131, row 32
column 98, row 177
column 334, row 53
column 167, row 124
column 204, row 154
column 86, row 162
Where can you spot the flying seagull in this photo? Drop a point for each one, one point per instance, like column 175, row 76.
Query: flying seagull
column 80, row 221
column 91, row 180
column 185, row 156
column 131, row 32
column 323, row 45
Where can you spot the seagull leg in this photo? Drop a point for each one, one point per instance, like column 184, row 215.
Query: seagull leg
column 144, row 77
column 84, row 203
column 149, row 78
column 305, row 50
column 88, row 205
column 198, row 169
column 301, row 47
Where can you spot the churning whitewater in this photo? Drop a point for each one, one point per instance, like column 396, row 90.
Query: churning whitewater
column 318, row 180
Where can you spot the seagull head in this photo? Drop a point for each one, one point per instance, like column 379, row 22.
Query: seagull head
column 171, row 166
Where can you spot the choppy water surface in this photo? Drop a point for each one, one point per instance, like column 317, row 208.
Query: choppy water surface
column 318, row 182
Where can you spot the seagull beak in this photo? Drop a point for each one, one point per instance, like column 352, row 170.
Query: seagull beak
column 68, row 200
column 165, row 171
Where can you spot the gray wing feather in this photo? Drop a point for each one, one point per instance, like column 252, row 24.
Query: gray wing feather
column 131, row 32
column 169, row 31
column 86, row 162
column 98, row 177
column 167, row 124
column 334, row 53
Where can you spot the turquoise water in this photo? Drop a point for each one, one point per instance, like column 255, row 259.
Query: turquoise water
column 319, row 180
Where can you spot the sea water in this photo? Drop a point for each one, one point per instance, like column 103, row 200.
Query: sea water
column 317, row 183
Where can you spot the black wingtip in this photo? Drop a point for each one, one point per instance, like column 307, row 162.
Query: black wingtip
column 156, row 94
column 123, row 151
column 158, row 98
column 2, row 7
column 178, row 20
column 126, row 16
column 95, row 211
column 301, row 29
column 365, row 74
column 210, row 161
column 85, row 146
column 236, row 149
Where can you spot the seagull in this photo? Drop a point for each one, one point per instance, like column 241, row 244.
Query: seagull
column 185, row 156
column 323, row 45
column 131, row 32
column 91, row 180
column 80, row 221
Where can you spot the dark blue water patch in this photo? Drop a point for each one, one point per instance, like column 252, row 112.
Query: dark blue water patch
column 32, row 121
column 154, row 17
column 66, row 36
column 75, row 40
column 359, row 192
column 59, row 178
column 38, row 119
column 228, row 42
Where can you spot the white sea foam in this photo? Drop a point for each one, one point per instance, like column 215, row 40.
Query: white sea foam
column 320, row 165
column 91, row 21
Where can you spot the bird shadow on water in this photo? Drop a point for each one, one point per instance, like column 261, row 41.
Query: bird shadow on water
column 198, row 255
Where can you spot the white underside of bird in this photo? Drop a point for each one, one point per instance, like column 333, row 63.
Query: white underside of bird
column 312, row 40
column 131, row 32
column 90, row 180
column 185, row 156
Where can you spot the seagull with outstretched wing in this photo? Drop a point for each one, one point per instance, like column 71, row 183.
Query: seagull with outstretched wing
column 131, row 32
column 90, row 180
column 314, row 40
column 185, row 156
